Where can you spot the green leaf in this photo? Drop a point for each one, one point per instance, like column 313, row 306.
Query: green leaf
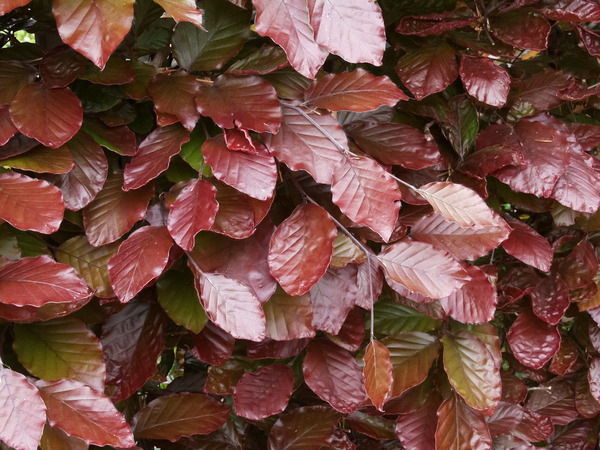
column 392, row 318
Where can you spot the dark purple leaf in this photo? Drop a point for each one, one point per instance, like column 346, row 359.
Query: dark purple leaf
column 550, row 300
column 532, row 341
column 505, row 419
column 435, row 23
column 485, row 80
column 213, row 345
column 555, row 399
column 529, row 246
column 263, row 393
column 352, row 333
column 416, row 429
column 7, row 128
column 571, row 10
column 270, row 349
column 522, row 29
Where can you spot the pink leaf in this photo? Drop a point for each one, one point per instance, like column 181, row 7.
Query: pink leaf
column 532, row 341
column 485, row 80
column 263, row 393
column 301, row 248
column 8, row 5
column 416, row 429
column 333, row 297
column 7, row 128
column 378, row 373
column 529, row 246
column 183, row 11
column 578, row 187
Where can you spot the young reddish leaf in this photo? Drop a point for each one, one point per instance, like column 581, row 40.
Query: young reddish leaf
column 141, row 259
column 7, row 128
column 301, row 147
column 263, row 393
column 463, row 243
column 532, row 341
column 529, row 246
column 240, row 101
column 427, row 70
column 412, row 353
column 422, row 268
column 252, row 174
column 288, row 317
column 82, row 412
column 182, row 11
column 194, row 210
column 303, row 428
column 332, row 374
column 590, row 40
column 22, row 412
column 585, row 403
column 113, row 212
column 435, row 23
column 475, row 301
column 396, row 144
column 178, row 297
column 550, row 300
column 173, row 93
column 174, row 416
column 541, row 89
column 301, row 248
column 7, row 6
column 353, row 91
column 93, row 27
column 270, row 349
column 52, row 116
column 505, row 419
column 579, row 186
column 416, row 429
column 367, row 194
column 522, row 29
column 30, row 204
column 287, row 23
column 239, row 140
column 231, row 306
column 352, row 333
column 485, row 80
column 472, row 371
column 580, row 267
column 154, row 155
column 132, row 340
column 378, row 373
column 42, row 160
column 460, row 427
column 40, row 280
column 333, row 297
column 459, row 204
column 351, row 29
column 61, row 348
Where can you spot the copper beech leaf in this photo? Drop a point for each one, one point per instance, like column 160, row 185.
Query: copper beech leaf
column 353, row 91
column 352, row 333
column 7, row 128
column 153, row 155
column 522, row 29
column 22, row 411
column 179, row 299
column 529, row 246
column 54, row 437
column 300, row 146
column 253, row 174
column 378, row 373
column 301, row 248
column 332, row 373
column 416, row 429
column 287, row 22
column 550, row 300
column 193, row 210
column 333, row 297
column 119, row 139
column 82, row 412
column 245, row 101
column 422, row 268
column 238, row 213
column 460, row 427
column 30, row 204
column 303, row 428
column 182, row 10
column 93, row 27
column 141, row 259
column 213, row 345
column 288, row 317
column 231, row 306
column 113, row 212
column 263, row 393
column 367, row 194
column 485, row 80
column 532, row 341
column 594, row 378
column 9, row 5
column 173, row 93
column 172, row 417
column 578, row 187
column 51, row 116
column 40, row 280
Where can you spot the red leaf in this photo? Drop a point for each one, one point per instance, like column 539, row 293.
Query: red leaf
column 182, row 11
column 82, row 412
column 572, row 10
column 263, row 393
column 435, row 23
column 370, row 282
column 333, row 297
column 427, row 70
column 174, row 416
column 245, row 101
column 173, row 93
column 40, row 280
column 13, row 76
column 52, row 116
column 542, row 89
column 231, row 306
column 534, row 427
column 352, row 29
column 352, row 333
column 460, row 427
column 475, row 301
column 590, row 40
column 581, row 434
column 532, row 341
column 194, row 210
column 564, row 360
column 287, row 23
column 289, row 317
column 529, row 246
column 22, row 412
column 485, row 80
column 213, row 345
column 422, row 268
column 30, row 204
column 555, row 400
column 61, row 66
column 56, row 438
column 270, row 349
column 303, row 428
column 522, row 29
column 550, row 300
column 253, row 174
column 93, row 27
column 113, row 212
column 301, row 147
column 396, row 144
column 594, row 378
column 237, row 213
column 238, row 139
column 153, row 155
column 585, row 403
column 7, row 128
column 301, row 248
column 8, row 5
column 367, row 194
column 578, row 187
column 505, row 419
column 353, row 91
column 487, row 160
column 378, row 373
column 132, row 340
column 141, row 259
column 332, row 374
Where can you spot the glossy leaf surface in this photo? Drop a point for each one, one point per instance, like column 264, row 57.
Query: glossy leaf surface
column 274, row 382
column 460, row 427
column 378, row 373
column 532, row 341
